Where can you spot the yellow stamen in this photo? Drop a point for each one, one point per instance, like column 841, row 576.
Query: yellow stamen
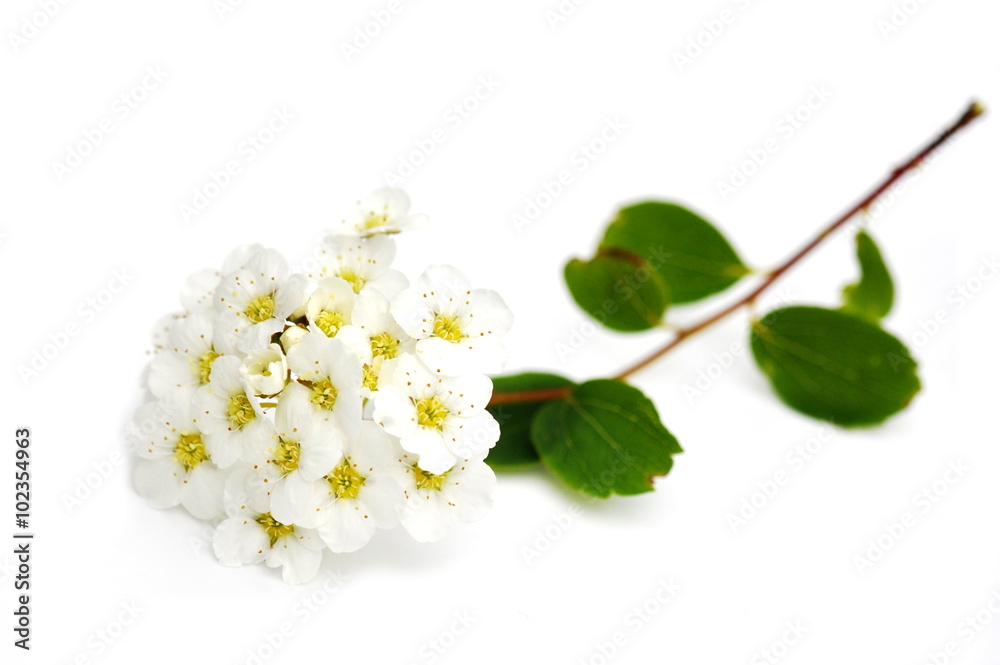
column 431, row 412
column 190, row 451
column 345, row 481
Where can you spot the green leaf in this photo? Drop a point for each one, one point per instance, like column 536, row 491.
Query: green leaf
column 619, row 290
column 834, row 366
column 871, row 296
column 692, row 257
column 515, row 449
column 605, row 437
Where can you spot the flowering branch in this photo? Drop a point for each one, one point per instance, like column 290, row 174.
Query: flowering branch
column 968, row 116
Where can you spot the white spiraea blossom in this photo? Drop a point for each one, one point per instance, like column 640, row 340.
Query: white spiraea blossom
column 251, row 534
column 438, row 418
column 175, row 467
column 358, row 494
column 330, row 306
column 253, row 302
column 328, row 384
column 234, row 425
column 375, row 337
column 184, row 363
column 459, row 329
column 303, row 413
column 384, row 211
column 300, row 456
column 362, row 263
column 436, row 501
column 265, row 371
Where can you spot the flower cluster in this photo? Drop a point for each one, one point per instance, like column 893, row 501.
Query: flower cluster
column 301, row 412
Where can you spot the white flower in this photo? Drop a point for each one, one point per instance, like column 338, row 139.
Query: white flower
column 265, row 371
column 185, row 362
column 359, row 493
column 464, row 494
column 254, row 302
column 304, row 412
column 251, row 534
column 362, row 263
column 438, row 418
column 458, row 328
column 234, row 426
column 329, row 382
column 386, row 210
column 300, row 457
column 375, row 337
column 175, row 467
column 161, row 330
column 291, row 336
column 329, row 307
column 198, row 291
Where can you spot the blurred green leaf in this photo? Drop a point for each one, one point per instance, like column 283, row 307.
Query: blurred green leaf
column 605, row 437
column 872, row 295
column 619, row 290
column 834, row 366
column 689, row 253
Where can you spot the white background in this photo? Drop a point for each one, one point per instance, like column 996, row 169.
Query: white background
column 685, row 129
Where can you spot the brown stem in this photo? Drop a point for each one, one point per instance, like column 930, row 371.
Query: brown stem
column 971, row 113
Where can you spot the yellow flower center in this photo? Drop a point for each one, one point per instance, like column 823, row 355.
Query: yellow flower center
column 374, row 220
column 356, row 281
column 286, row 456
column 323, row 394
column 385, row 345
column 274, row 529
column 448, row 328
column 260, row 309
column 428, row 481
column 345, row 481
column 203, row 366
column 190, row 451
column 370, row 380
column 431, row 412
column 240, row 410
column 329, row 321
